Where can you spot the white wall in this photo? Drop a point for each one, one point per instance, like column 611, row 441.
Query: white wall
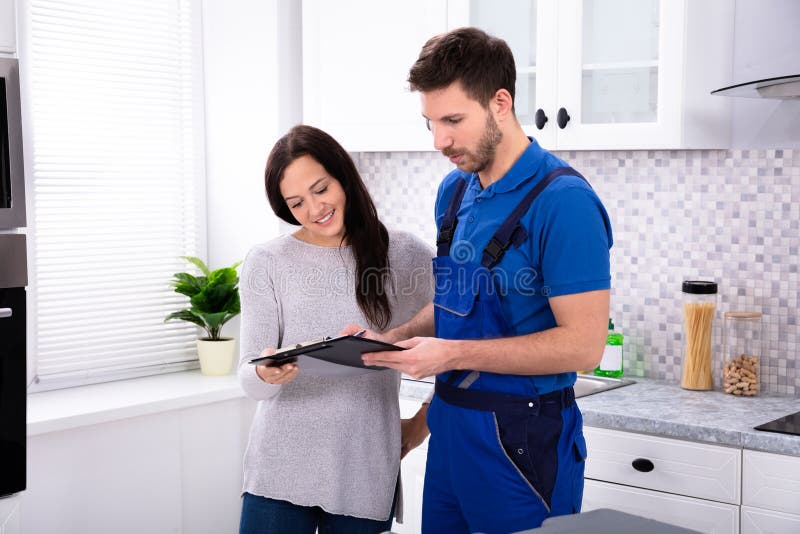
column 175, row 472
column 253, row 95
column 766, row 45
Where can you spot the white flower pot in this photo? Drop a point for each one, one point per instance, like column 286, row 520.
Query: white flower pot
column 216, row 357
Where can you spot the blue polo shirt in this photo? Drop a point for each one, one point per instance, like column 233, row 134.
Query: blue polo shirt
column 566, row 250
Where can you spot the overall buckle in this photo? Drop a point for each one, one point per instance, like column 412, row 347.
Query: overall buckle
column 495, row 249
column 446, row 235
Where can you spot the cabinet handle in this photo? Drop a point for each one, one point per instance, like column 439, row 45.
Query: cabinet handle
column 540, row 118
column 562, row 118
column 5, row 313
column 643, row 464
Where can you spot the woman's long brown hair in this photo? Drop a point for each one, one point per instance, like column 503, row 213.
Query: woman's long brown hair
column 364, row 231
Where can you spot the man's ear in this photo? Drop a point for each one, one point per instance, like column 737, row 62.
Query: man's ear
column 502, row 105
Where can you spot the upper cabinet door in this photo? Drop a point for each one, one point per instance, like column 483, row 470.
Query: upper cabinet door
column 638, row 73
column 611, row 74
column 528, row 26
column 8, row 31
column 619, row 77
column 356, row 58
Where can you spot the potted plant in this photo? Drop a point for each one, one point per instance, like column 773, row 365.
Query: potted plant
column 214, row 299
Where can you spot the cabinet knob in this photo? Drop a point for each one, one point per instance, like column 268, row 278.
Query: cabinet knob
column 540, row 118
column 562, row 118
column 643, row 464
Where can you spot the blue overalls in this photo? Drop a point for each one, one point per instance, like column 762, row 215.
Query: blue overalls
column 501, row 458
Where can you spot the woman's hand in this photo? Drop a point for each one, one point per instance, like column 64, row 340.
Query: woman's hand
column 413, row 431
column 276, row 375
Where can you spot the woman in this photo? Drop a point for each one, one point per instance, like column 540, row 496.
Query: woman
column 324, row 452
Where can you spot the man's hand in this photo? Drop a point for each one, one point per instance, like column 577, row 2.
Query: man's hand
column 413, row 431
column 276, row 375
column 353, row 329
column 425, row 356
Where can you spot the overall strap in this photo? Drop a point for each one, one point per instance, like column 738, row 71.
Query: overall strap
column 510, row 232
column 449, row 222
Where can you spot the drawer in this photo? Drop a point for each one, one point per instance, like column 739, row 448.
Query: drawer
column 698, row 470
column 686, row 512
column 771, row 481
column 755, row 521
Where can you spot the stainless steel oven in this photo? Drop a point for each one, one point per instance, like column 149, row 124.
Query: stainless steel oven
column 13, row 384
column 13, row 279
column 12, row 183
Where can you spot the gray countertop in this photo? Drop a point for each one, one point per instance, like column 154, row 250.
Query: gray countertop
column 665, row 409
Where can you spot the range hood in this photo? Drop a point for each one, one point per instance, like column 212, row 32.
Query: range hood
column 782, row 87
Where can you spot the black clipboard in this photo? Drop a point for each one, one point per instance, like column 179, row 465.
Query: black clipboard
column 343, row 350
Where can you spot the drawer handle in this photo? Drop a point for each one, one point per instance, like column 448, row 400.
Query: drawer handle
column 5, row 313
column 643, row 464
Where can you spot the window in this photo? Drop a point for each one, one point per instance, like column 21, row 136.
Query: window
column 113, row 98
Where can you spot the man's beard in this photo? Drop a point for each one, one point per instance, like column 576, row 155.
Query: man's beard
column 486, row 151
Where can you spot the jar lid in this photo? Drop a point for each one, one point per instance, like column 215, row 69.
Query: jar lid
column 743, row 315
column 699, row 287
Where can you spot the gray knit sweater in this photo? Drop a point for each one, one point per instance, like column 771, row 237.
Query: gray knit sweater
column 332, row 442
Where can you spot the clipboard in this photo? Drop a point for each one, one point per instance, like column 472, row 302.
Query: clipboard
column 343, row 350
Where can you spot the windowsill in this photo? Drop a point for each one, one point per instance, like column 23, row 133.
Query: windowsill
column 64, row 409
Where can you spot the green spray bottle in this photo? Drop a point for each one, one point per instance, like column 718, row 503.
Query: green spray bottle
column 611, row 364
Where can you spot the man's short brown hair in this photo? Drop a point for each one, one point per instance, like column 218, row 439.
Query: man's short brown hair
column 483, row 64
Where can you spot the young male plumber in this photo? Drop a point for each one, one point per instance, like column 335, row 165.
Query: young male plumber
column 521, row 303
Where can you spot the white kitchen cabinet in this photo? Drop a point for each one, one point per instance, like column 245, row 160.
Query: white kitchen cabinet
column 758, row 521
column 699, row 470
column 9, row 515
column 412, row 470
column 356, row 57
column 687, row 512
column 8, row 30
column 771, row 493
column 629, row 74
column 688, row 484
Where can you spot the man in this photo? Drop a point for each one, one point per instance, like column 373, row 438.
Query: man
column 521, row 303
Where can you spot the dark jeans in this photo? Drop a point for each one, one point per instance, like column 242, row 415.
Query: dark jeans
column 261, row 515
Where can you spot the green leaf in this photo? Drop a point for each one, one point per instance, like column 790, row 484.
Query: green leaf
column 186, row 315
column 213, row 298
column 213, row 320
column 198, row 263
column 225, row 275
column 234, row 305
column 187, row 284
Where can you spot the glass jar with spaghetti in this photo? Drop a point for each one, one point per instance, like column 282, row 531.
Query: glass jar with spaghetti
column 699, row 307
column 741, row 353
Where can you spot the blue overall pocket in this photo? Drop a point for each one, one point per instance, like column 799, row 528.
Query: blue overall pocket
column 466, row 302
column 531, row 443
column 453, row 301
column 579, row 448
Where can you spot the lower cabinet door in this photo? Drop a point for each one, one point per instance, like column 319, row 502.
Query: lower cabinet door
column 758, row 521
column 9, row 515
column 687, row 512
column 412, row 469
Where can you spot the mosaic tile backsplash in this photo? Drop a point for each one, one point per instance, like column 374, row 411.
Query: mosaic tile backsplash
column 731, row 216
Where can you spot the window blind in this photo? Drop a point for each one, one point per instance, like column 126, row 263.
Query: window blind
column 115, row 107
